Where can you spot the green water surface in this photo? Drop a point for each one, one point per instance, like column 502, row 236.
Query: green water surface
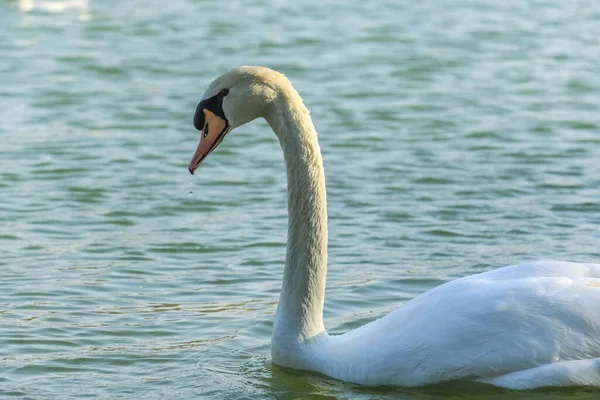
column 457, row 136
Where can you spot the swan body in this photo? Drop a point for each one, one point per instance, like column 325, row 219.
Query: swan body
column 519, row 327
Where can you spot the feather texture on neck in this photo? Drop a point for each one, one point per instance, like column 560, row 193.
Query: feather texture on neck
column 300, row 310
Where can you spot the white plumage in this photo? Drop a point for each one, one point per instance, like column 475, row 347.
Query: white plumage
column 496, row 327
column 519, row 327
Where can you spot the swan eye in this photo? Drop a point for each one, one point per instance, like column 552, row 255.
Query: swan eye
column 206, row 130
column 224, row 92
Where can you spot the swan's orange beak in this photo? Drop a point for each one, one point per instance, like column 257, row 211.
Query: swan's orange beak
column 214, row 129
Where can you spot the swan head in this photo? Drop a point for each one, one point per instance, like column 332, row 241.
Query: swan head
column 233, row 99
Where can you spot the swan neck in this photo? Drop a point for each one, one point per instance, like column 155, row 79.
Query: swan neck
column 300, row 309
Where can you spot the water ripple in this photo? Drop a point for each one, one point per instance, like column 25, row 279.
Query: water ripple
column 457, row 137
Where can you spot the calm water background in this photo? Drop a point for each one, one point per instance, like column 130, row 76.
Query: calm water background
column 458, row 136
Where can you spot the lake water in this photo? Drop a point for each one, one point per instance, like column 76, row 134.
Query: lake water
column 457, row 136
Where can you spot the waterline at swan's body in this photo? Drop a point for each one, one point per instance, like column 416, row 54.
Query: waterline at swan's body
column 522, row 326
column 498, row 327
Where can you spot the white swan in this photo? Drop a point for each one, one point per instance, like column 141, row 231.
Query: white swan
column 520, row 327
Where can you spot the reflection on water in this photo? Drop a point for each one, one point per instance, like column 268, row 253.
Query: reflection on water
column 56, row 6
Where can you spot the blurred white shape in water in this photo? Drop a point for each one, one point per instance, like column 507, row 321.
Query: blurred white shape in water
column 56, row 6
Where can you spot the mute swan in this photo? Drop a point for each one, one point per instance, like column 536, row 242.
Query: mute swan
column 519, row 327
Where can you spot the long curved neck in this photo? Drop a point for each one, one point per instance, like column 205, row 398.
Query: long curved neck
column 300, row 311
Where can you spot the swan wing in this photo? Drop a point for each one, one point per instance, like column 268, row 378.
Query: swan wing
column 482, row 326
